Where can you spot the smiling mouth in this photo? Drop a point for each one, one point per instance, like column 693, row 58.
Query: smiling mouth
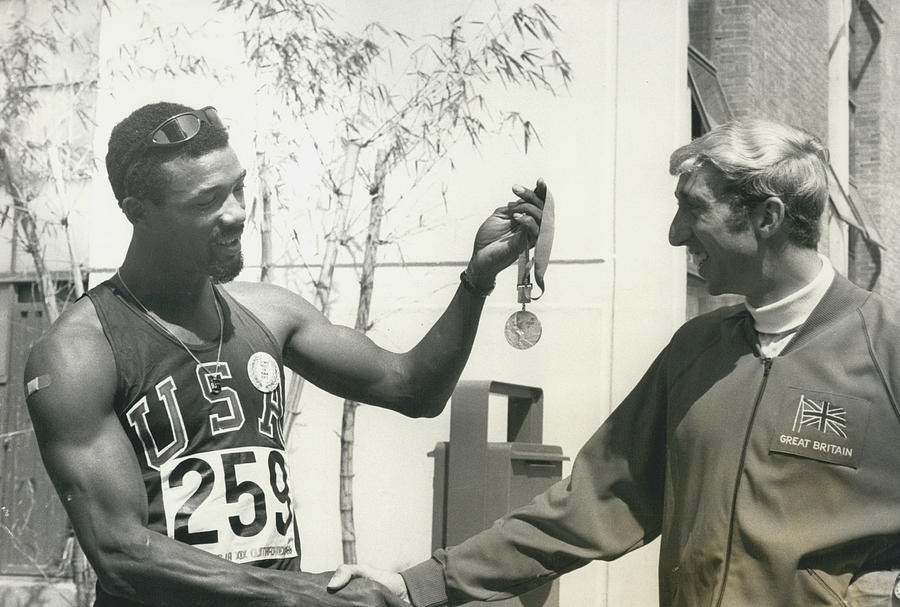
column 699, row 259
column 228, row 242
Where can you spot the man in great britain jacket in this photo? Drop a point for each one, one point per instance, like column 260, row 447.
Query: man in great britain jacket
column 761, row 444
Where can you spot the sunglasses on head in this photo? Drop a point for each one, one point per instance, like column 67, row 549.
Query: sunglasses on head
column 183, row 127
column 171, row 132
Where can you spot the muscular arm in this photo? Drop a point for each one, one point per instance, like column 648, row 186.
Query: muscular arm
column 416, row 383
column 94, row 469
column 347, row 363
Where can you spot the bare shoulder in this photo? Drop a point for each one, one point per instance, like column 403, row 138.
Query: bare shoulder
column 72, row 358
column 260, row 293
column 280, row 309
column 76, row 337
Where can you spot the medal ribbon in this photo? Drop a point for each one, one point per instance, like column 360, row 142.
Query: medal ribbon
column 541, row 251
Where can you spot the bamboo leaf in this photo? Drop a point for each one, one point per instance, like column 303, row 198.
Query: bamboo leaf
column 403, row 37
column 546, row 15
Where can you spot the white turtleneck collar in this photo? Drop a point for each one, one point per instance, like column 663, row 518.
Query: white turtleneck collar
column 777, row 322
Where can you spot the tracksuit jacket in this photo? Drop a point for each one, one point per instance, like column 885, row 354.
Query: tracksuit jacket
column 773, row 482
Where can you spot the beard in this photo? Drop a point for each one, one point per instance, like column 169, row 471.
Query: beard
column 225, row 270
column 224, row 262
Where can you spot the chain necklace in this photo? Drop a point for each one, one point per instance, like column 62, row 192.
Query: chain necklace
column 215, row 380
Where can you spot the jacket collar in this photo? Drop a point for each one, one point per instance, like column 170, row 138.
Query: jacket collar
column 841, row 298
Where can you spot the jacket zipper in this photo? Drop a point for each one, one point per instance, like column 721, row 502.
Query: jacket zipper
column 767, row 366
column 827, row 588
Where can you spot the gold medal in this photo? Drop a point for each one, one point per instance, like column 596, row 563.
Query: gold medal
column 523, row 330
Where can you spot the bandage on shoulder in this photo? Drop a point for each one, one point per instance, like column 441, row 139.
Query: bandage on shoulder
column 36, row 383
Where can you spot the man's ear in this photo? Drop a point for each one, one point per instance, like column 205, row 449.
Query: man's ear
column 768, row 216
column 134, row 208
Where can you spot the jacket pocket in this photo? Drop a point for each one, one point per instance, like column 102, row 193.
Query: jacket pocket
column 833, row 595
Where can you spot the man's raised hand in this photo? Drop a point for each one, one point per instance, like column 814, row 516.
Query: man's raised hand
column 503, row 235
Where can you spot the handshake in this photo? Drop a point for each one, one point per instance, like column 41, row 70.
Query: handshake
column 392, row 581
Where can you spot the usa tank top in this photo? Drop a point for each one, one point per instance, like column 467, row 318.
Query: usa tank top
column 208, row 437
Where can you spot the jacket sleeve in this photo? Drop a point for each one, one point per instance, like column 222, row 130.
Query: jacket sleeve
column 609, row 505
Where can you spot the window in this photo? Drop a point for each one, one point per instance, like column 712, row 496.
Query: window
column 707, row 97
column 709, row 108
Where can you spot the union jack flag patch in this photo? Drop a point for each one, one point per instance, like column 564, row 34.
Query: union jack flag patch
column 821, row 415
column 820, row 425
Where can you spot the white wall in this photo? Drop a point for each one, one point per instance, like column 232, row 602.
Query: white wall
column 653, row 118
column 605, row 148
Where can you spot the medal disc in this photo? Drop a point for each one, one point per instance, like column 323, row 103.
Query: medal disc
column 523, row 330
column 263, row 371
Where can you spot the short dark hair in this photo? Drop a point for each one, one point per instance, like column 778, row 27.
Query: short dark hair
column 759, row 159
column 134, row 169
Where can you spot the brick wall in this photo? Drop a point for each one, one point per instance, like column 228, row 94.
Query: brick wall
column 700, row 17
column 874, row 158
column 771, row 57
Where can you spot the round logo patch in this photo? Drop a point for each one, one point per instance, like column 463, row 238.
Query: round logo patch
column 263, row 371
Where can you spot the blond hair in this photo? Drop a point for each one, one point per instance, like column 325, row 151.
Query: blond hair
column 759, row 159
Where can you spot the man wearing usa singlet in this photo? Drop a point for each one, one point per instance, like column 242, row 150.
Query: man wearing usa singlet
column 157, row 400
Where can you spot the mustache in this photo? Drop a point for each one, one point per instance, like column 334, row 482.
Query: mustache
column 228, row 234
